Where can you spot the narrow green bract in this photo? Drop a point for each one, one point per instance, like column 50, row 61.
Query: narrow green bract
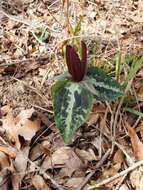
column 72, row 103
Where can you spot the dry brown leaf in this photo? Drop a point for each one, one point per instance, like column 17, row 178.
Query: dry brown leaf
column 99, row 108
column 4, row 161
column 65, row 158
column 46, row 147
column 20, row 125
column 39, row 183
column 10, row 151
column 58, row 158
column 140, row 92
column 73, row 165
column 92, row 119
column 9, row 125
column 112, row 171
column 118, row 157
column 141, row 129
column 35, row 152
column 137, row 145
column 86, row 155
column 27, row 128
column 24, row 114
column 16, row 180
column 22, row 159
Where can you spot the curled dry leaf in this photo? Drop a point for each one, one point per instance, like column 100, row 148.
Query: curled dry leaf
column 20, row 125
column 9, row 125
column 27, row 128
column 64, row 158
column 137, row 145
column 25, row 114
column 4, row 160
column 58, row 158
column 39, row 183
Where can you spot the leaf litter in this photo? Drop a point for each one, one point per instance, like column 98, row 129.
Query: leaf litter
column 32, row 153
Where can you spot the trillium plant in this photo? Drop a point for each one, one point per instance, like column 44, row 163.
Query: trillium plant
column 74, row 93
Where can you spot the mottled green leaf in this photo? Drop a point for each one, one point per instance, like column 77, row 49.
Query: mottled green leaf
column 58, row 86
column 103, row 86
column 72, row 103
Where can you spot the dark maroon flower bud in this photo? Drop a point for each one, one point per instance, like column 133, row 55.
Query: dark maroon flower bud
column 76, row 67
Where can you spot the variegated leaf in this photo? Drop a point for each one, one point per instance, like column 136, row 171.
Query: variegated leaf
column 72, row 103
column 102, row 86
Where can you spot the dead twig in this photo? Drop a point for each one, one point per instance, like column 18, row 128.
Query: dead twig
column 46, row 176
column 122, row 173
column 98, row 165
column 15, row 62
column 39, row 60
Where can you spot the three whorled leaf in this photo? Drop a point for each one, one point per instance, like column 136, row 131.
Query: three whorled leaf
column 101, row 85
column 73, row 101
column 72, row 104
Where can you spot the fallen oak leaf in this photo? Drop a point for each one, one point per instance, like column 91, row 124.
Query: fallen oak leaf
column 39, row 183
column 27, row 128
column 64, row 158
column 137, row 145
column 20, row 125
column 9, row 125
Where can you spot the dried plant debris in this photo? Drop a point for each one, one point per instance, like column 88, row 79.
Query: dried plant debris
column 106, row 152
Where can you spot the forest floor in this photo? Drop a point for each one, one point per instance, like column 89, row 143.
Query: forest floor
column 106, row 152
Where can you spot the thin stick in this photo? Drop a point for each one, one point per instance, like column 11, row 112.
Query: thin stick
column 25, row 61
column 122, row 173
column 16, row 62
column 120, row 183
column 39, row 107
column 98, row 165
column 46, row 176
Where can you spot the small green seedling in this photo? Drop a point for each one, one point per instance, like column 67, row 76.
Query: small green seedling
column 41, row 35
column 74, row 93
